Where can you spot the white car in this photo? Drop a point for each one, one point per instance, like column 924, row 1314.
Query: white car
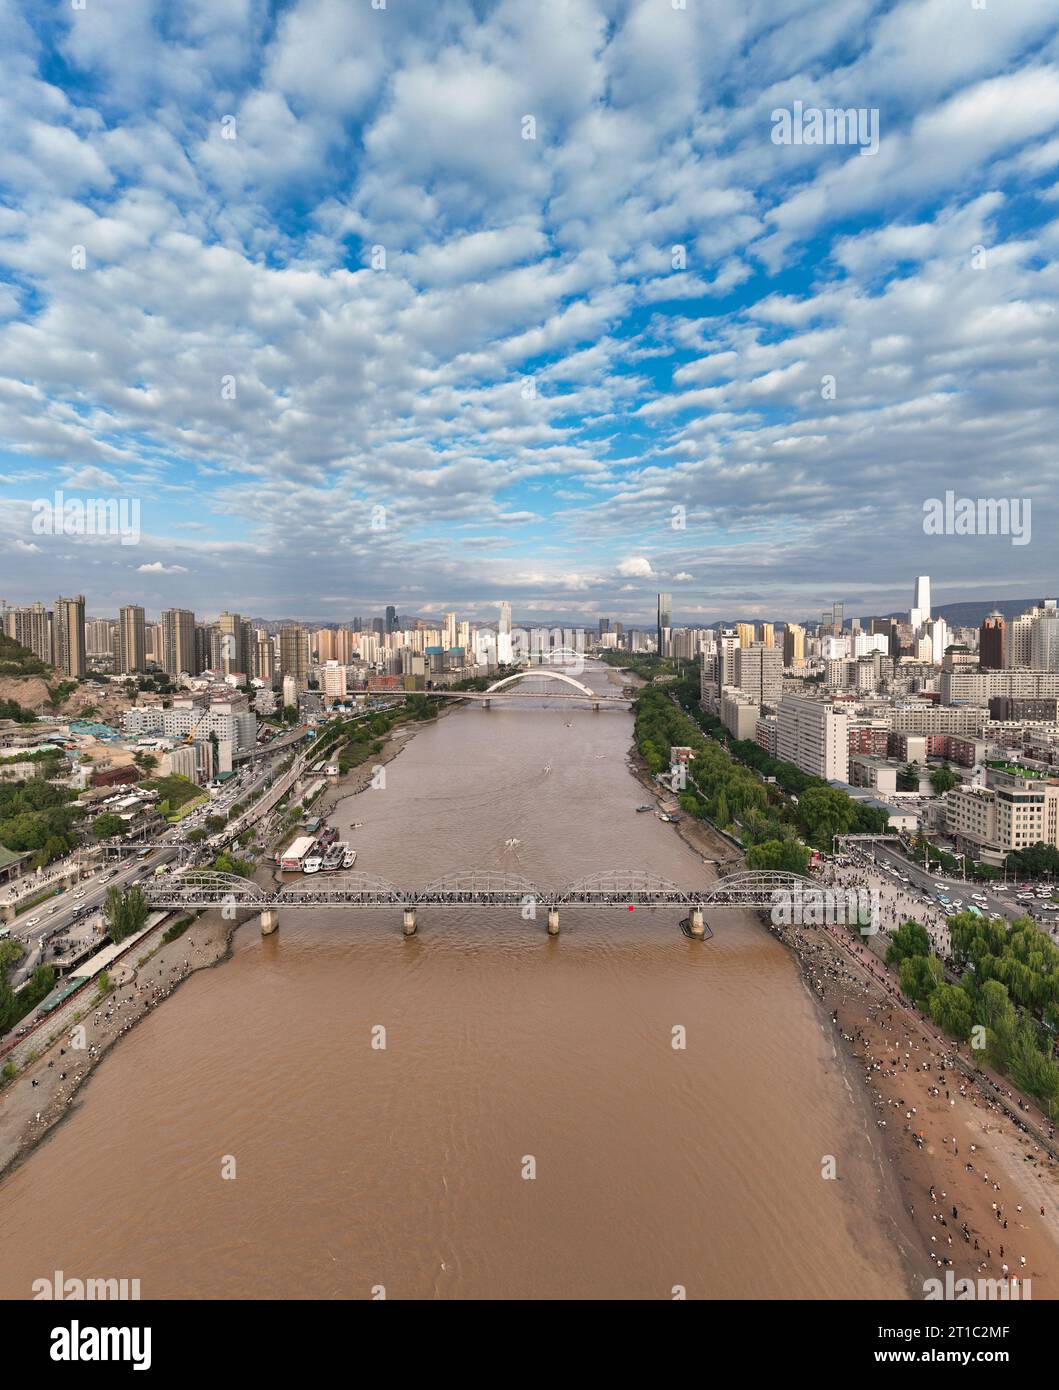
column 32, row 921
column 978, row 897
column 80, row 893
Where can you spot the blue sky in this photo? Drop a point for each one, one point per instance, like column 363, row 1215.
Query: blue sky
column 486, row 335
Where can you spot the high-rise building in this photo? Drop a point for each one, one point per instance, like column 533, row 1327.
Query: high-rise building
column 814, row 735
column 759, row 672
column 837, row 618
column 99, row 637
column 604, row 626
column 448, row 631
column 747, row 633
column 991, row 642
column 68, row 636
column 131, row 651
column 504, row 650
column 727, row 646
column 294, row 655
column 32, row 627
column 1044, row 637
column 794, row 645
column 391, row 618
column 665, row 621
column 768, row 634
column 178, row 642
column 919, row 613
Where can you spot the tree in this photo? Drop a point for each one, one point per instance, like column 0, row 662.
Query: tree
column 826, row 812
column 107, row 826
column 920, row 976
column 908, row 778
column 125, row 913
column 910, row 939
column 146, row 762
column 950, row 1008
column 942, row 779
column 788, row 855
column 290, row 714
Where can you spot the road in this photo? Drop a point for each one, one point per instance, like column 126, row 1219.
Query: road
column 1004, row 903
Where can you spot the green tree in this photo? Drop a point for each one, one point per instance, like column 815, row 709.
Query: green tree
column 125, row 913
column 787, row 855
column 910, row 939
column 920, row 976
column 951, row 1009
column 107, row 826
column 942, row 779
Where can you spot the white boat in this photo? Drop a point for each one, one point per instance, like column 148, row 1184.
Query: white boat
column 349, row 857
column 312, row 864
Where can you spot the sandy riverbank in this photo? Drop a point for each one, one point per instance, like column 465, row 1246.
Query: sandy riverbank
column 44, row 1092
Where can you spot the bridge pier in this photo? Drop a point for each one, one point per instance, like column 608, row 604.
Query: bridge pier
column 553, row 921
column 697, row 924
column 486, row 704
column 269, row 921
column 408, row 925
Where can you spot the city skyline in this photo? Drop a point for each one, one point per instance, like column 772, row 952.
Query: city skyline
column 523, row 301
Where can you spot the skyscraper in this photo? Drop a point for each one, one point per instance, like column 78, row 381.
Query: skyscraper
column 178, row 642
column 293, row 655
column 68, row 634
column 131, row 650
column 504, row 648
column 919, row 613
column 991, row 643
column 665, row 621
column 391, row 618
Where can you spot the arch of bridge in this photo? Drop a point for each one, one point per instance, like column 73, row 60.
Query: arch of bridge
column 543, row 672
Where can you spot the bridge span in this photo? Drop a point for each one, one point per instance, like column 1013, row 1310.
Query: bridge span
column 630, row 888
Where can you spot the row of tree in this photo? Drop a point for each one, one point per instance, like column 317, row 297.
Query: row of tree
column 1005, row 1002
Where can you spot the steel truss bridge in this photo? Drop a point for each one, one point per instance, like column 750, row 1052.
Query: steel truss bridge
column 202, row 888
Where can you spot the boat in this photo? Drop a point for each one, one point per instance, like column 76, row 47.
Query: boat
column 312, row 863
column 356, row 825
column 645, row 808
column 332, row 860
column 349, row 856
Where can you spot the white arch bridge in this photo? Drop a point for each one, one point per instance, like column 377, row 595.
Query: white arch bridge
column 576, row 691
column 629, row 888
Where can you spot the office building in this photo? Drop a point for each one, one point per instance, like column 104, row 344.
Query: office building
column 814, row 735
column 664, row 622
column 759, row 672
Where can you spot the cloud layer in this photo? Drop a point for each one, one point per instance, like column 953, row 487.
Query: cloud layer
column 448, row 301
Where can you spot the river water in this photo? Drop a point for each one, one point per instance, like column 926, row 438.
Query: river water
column 358, row 1167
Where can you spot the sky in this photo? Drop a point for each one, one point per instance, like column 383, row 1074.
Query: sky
column 442, row 302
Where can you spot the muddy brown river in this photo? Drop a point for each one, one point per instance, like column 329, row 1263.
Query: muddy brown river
column 403, row 1168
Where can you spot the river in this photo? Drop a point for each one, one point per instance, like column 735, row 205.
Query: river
column 402, row 1168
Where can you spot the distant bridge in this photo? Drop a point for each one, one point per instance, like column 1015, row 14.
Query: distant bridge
column 578, row 692
column 477, row 887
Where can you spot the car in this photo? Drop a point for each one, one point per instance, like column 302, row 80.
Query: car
column 80, row 893
column 942, row 886
column 32, row 921
column 979, row 897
